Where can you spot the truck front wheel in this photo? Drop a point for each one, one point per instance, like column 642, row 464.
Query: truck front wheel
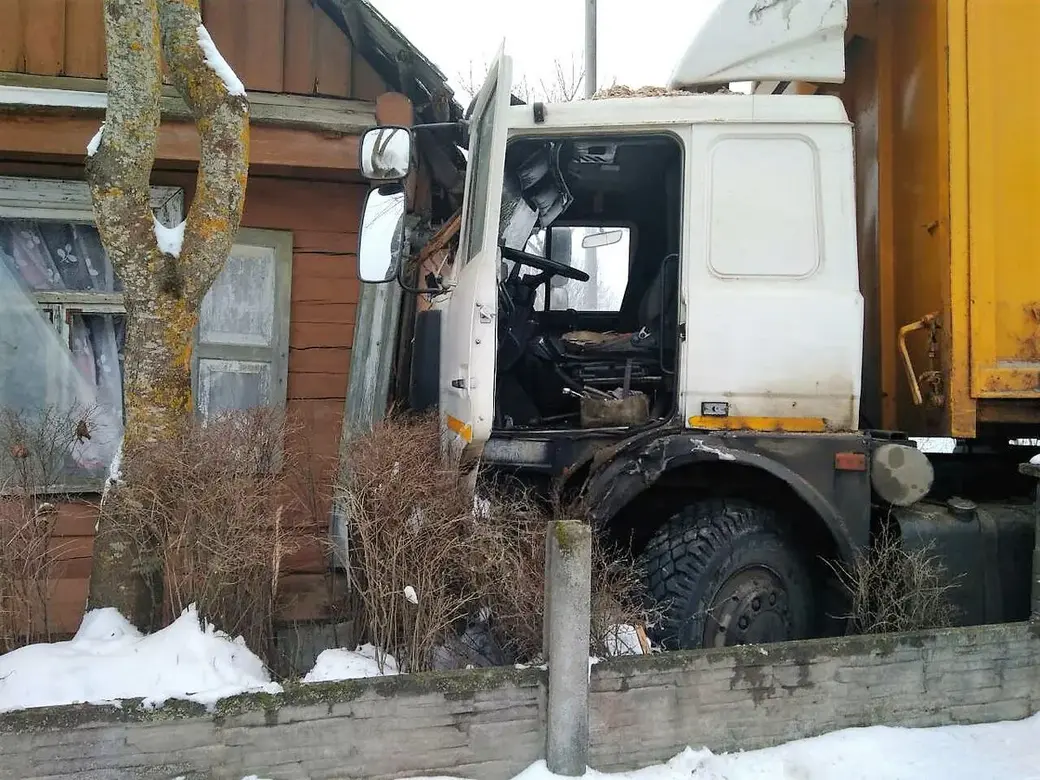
column 723, row 573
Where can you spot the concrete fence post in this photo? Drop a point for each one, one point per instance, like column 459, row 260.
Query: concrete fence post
column 568, row 614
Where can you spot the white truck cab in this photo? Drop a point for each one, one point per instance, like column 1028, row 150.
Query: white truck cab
column 655, row 302
column 736, row 246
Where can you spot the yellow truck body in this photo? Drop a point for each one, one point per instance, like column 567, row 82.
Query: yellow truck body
column 942, row 95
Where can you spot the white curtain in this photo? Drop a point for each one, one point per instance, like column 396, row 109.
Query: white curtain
column 37, row 370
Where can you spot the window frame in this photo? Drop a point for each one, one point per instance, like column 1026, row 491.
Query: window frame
column 61, row 200
column 281, row 242
column 69, row 201
column 623, row 224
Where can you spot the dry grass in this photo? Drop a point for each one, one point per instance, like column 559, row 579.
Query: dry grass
column 893, row 589
column 209, row 513
column 429, row 561
column 33, row 451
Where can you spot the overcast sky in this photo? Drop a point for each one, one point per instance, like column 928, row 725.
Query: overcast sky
column 639, row 41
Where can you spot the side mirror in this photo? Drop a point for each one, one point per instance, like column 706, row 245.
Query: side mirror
column 381, row 239
column 604, row 238
column 386, row 153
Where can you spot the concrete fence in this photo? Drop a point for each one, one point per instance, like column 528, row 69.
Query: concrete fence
column 490, row 724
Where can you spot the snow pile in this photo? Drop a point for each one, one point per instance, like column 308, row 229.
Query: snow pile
column 109, row 660
column 170, row 240
column 218, row 64
column 350, row 665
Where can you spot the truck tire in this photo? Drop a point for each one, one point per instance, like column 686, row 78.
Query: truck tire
column 722, row 573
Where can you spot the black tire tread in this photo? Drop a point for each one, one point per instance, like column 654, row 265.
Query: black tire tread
column 684, row 549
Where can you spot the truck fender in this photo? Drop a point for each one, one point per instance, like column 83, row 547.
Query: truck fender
column 637, row 465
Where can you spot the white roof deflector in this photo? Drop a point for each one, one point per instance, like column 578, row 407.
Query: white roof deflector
column 767, row 40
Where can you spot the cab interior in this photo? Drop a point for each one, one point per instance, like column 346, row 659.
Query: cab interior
column 588, row 304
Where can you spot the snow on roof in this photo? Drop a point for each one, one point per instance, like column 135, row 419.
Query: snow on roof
column 761, row 40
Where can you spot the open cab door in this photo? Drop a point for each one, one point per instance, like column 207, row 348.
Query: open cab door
column 469, row 335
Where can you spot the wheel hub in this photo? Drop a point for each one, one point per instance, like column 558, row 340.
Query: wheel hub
column 750, row 608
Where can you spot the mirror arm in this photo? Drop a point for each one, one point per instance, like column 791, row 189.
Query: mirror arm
column 461, row 129
column 418, row 290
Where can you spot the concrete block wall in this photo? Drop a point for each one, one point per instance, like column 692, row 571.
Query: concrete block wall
column 489, row 724
column 751, row 697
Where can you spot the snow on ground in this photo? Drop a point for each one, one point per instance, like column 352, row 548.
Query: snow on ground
column 109, row 660
column 350, row 665
column 996, row 751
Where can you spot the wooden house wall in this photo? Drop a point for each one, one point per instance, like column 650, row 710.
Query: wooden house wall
column 289, row 46
column 323, row 218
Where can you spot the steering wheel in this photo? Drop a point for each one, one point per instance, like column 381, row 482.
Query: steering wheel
column 543, row 264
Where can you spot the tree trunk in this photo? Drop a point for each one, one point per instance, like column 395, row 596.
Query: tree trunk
column 162, row 290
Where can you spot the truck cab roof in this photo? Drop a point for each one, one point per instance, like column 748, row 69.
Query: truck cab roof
column 646, row 112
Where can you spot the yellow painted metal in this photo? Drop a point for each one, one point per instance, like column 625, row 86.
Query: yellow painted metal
column 762, row 424
column 947, row 222
column 961, row 409
column 1004, row 181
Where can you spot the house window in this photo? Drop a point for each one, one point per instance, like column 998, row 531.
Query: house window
column 62, row 321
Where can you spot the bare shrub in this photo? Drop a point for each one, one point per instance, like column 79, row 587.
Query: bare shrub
column 893, row 589
column 35, row 447
column 209, row 513
column 438, row 570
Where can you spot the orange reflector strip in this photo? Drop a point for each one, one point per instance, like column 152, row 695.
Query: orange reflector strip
column 458, row 426
column 850, row 461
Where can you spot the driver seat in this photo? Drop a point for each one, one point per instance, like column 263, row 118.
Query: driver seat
column 659, row 298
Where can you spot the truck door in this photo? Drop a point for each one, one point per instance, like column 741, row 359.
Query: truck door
column 468, row 338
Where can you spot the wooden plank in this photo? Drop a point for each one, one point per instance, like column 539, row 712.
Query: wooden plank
column 393, row 108
column 333, row 58
column 308, row 111
column 68, row 597
column 12, row 39
column 75, row 519
column 304, row 597
column 318, row 290
column 278, row 147
column 318, row 360
column 44, row 31
column 323, row 241
column 368, row 85
column 321, row 421
column 304, row 205
column 85, row 39
column 325, row 266
column 264, row 30
column 311, row 558
column 322, row 311
column 300, row 72
column 305, row 335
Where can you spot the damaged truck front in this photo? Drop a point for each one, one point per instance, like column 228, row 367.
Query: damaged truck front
column 657, row 302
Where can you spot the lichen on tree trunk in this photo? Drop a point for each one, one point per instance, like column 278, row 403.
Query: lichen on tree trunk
column 163, row 292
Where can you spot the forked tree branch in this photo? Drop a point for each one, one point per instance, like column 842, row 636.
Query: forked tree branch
column 218, row 102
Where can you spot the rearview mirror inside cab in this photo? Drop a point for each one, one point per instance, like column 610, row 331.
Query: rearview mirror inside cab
column 386, row 153
column 602, row 238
